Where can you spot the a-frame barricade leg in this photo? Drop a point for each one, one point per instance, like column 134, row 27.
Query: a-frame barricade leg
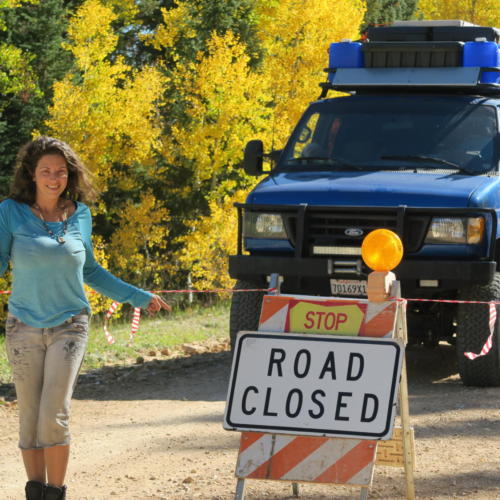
column 363, row 494
column 240, row 490
column 404, row 408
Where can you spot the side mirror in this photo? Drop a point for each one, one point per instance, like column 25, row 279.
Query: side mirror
column 253, row 157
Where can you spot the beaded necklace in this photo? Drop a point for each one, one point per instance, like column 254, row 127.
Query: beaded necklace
column 64, row 219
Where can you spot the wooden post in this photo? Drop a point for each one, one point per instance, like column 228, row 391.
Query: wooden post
column 404, row 407
column 379, row 285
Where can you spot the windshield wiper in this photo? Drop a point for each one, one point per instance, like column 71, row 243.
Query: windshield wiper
column 422, row 159
column 329, row 161
column 302, row 158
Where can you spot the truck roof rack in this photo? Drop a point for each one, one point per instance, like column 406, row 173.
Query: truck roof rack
column 458, row 23
column 418, row 56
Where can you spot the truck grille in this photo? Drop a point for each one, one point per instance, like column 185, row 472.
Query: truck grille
column 328, row 227
column 323, row 229
column 330, row 236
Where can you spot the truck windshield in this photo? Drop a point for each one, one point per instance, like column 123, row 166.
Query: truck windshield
column 396, row 132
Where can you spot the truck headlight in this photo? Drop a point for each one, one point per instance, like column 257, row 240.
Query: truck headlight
column 262, row 225
column 460, row 230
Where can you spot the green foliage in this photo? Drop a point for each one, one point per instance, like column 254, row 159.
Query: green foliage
column 32, row 39
column 188, row 27
column 386, row 11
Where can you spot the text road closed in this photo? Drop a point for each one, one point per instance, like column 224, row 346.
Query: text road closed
column 311, row 384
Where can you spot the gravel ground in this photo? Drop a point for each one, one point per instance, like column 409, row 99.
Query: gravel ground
column 154, row 431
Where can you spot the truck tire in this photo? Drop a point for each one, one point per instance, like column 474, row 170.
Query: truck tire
column 472, row 332
column 245, row 309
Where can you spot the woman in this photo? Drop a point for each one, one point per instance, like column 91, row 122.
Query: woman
column 45, row 232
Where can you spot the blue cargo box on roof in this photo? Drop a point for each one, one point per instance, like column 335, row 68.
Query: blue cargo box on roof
column 426, row 50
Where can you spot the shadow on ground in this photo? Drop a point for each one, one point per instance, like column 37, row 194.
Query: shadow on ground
column 432, row 374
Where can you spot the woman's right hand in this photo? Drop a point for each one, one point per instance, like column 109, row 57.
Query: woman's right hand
column 157, row 304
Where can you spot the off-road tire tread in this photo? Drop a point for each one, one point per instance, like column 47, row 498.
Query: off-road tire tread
column 472, row 332
column 245, row 309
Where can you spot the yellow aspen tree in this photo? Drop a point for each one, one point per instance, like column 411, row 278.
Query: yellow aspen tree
column 105, row 109
column 108, row 112
column 482, row 12
column 5, row 284
column 220, row 103
column 138, row 228
column 212, row 239
column 295, row 35
column 228, row 103
column 124, row 9
column 16, row 75
column 174, row 26
column 224, row 105
column 98, row 302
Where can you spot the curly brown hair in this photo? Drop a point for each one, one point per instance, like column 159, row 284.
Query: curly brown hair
column 23, row 187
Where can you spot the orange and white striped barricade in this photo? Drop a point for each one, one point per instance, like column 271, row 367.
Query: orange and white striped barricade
column 297, row 456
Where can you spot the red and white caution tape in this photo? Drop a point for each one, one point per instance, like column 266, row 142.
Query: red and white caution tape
column 448, row 301
column 218, row 290
column 136, row 318
column 112, row 308
column 489, row 341
column 215, row 290
column 491, row 320
column 137, row 312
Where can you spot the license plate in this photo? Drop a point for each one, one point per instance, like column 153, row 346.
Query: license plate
column 351, row 288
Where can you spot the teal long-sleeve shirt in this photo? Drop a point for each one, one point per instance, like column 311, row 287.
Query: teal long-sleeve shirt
column 48, row 277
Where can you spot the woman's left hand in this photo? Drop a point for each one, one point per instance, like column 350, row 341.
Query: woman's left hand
column 157, row 304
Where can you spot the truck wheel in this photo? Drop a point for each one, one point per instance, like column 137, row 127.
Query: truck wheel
column 472, row 332
column 245, row 309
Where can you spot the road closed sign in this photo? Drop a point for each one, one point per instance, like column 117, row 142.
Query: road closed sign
column 322, row 385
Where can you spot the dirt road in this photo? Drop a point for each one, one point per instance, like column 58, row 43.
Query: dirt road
column 154, row 432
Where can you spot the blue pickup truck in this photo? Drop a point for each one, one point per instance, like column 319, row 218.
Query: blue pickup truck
column 413, row 146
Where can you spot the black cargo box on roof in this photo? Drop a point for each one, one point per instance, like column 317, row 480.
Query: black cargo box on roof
column 412, row 54
column 432, row 34
column 466, row 34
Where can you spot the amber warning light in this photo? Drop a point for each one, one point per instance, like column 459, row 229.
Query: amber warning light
column 382, row 250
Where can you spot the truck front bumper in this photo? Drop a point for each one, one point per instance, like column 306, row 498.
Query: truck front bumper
column 450, row 273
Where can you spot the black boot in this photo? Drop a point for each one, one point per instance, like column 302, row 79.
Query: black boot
column 55, row 493
column 34, row 490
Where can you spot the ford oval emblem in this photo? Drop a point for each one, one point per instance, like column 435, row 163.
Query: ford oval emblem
column 353, row 231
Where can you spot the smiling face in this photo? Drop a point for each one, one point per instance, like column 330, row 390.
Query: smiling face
column 50, row 177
